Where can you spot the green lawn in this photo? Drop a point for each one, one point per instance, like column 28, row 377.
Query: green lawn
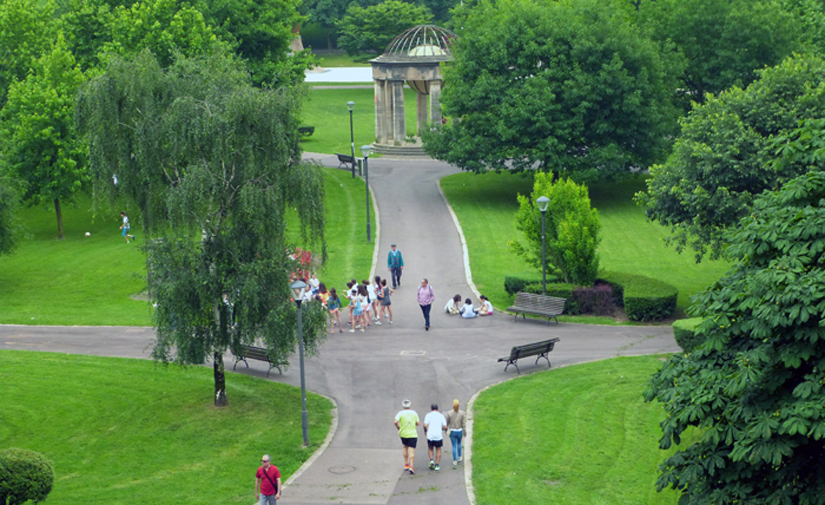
column 575, row 435
column 336, row 59
column 91, row 281
column 486, row 206
column 125, row 431
column 326, row 110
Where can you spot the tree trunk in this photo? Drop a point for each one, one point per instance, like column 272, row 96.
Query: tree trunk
column 220, row 381
column 59, row 219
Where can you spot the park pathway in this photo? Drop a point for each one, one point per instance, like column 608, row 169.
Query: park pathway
column 369, row 374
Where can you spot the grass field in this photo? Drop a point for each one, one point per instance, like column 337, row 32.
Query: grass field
column 125, row 431
column 326, row 110
column 591, row 441
column 486, row 206
column 341, row 59
column 92, row 281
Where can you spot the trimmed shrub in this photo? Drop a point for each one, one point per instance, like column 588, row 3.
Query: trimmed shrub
column 559, row 290
column 684, row 330
column 515, row 283
column 597, row 300
column 24, row 475
column 643, row 298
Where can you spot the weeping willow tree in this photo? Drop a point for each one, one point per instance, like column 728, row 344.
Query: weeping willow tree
column 217, row 162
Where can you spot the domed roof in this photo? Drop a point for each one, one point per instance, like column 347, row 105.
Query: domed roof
column 421, row 42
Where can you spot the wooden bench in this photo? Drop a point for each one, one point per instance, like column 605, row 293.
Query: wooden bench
column 539, row 349
column 345, row 159
column 306, row 131
column 538, row 305
column 258, row 353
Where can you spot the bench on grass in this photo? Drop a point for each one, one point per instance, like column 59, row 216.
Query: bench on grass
column 306, row 131
column 539, row 349
column 345, row 159
column 538, row 305
column 258, row 353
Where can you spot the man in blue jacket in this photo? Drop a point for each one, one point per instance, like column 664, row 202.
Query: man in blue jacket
column 395, row 263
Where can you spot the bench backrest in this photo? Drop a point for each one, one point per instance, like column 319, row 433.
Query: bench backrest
column 540, row 302
column 533, row 349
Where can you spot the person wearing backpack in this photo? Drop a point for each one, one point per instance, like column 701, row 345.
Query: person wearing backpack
column 267, row 482
column 425, row 300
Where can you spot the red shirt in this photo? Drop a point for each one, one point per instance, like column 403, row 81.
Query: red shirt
column 274, row 474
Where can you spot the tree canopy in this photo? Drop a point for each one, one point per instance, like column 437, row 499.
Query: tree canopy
column 219, row 159
column 8, row 206
column 754, row 389
column 38, row 141
column 27, row 29
column 726, row 154
column 570, row 87
column 371, row 29
column 724, row 42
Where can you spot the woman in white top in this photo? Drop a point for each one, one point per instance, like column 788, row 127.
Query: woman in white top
column 452, row 306
column 364, row 298
column 486, row 308
column 375, row 297
column 467, row 311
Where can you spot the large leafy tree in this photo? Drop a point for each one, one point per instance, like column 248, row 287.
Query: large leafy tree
column 27, row 30
column 754, row 389
column 724, row 42
column 37, row 132
column 726, row 154
column 571, row 229
column 570, row 87
column 220, row 160
column 8, row 207
column 371, row 29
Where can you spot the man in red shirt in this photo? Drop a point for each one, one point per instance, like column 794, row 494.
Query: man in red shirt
column 268, row 482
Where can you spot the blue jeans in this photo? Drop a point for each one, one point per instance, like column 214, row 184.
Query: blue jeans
column 426, row 310
column 455, row 440
column 267, row 499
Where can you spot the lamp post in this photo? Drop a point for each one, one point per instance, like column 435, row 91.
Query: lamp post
column 365, row 150
column 298, row 287
column 543, row 202
column 350, row 104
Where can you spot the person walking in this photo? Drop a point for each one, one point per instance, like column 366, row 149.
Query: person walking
column 405, row 422
column 334, row 306
column 395, row 264
column 267, row 482
column 457, row 424
column 434, row 425
column 125, row 227
column 425, row 300
column 386, row 302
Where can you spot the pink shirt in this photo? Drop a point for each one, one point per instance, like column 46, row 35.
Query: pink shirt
column 425, row 295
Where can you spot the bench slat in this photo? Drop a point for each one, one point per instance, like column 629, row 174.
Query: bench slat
column 540, row 349
column 539, row 305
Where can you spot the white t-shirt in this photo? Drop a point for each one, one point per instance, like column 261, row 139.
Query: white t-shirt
column 436, row 422
column 314, row 282
column 486, row 307
column 371, row 291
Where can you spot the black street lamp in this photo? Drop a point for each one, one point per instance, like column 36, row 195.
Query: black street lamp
column 298, row 287
column 543, row 202
column 350, row 104
column 365, row 150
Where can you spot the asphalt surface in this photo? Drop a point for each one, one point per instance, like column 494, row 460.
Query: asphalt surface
column 368, row 374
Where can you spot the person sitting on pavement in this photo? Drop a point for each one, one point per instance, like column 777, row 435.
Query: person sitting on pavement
column 452, row 306
column 468, row 311
column 486, row 308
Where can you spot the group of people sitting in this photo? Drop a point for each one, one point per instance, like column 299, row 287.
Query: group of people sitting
column 368, row 302
column 468, row 311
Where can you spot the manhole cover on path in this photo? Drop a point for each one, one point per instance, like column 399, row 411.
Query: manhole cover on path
column 342, row 469
column 413, row 353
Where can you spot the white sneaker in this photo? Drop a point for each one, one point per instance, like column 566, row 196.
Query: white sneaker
column 454, row 463
column 460, row 458
column 390, row 322
column 352, row 331
column 362, row 330
column 378, row 323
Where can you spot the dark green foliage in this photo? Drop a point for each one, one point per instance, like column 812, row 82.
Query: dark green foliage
column 24, row 475
column 571, row 87
column 596, row 300
column 643, row 298
column 684, row 331
column 727, row 153
column 754, row 388
column 515, row 283
column 371, row 29
column 723, row 42
column 196, row 144
column 9, row 202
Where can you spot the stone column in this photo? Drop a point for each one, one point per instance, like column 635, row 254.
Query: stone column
column 380, row 112
column 399, row 127
column 421, row 111
column 435, row 102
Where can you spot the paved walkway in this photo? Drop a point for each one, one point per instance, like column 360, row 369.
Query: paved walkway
column 368, row 374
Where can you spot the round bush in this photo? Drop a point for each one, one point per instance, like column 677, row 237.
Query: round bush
column 24, row 475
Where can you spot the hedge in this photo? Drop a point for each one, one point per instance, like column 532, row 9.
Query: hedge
column 684, row 332
column 24, row 475
column 515, row 283
column 559, row 290
column 643, row 298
